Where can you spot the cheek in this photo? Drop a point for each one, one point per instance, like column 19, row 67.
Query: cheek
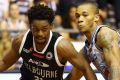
column 35, row 32
column 46, row 34
column 89, row 21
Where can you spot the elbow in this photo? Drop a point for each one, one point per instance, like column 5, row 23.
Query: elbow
column 2, row 66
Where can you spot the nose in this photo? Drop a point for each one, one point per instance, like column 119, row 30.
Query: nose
column 80, row 19
column 40, row 33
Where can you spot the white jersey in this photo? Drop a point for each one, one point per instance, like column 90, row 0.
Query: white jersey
column 95, row 54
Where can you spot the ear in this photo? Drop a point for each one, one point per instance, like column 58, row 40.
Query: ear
column 51, row 25
column 97, row 17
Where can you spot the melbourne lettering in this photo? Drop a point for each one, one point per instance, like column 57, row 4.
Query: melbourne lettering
column 41, row 72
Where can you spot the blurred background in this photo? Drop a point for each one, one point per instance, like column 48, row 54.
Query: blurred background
column 13, row 20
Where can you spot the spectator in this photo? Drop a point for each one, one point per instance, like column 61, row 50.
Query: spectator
column 58, row 22
column 116, row 6
column 63, row 5
column 4, row 5
column 70, row 22
column 13, row 22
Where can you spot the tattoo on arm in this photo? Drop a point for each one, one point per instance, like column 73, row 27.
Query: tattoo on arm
column 106, row 40
column 114, row 73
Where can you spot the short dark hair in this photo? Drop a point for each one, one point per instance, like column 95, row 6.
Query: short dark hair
column 93, row 3
column 40, row 12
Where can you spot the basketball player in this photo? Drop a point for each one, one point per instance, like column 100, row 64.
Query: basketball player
column 102, row 46
column 44, row 52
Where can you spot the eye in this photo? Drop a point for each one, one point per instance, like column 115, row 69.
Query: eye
column 85, row 14
column 77, row 15
column 45, row 29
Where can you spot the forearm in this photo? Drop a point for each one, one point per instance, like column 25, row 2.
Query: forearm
column 71, row 77
column 89, row 74
column 3, row 67
column 75, row 74
column 114, row 73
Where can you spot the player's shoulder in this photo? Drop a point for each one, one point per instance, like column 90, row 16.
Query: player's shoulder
column 17, row 40
column 106, row 35
column 64, row 43
column 106, row 30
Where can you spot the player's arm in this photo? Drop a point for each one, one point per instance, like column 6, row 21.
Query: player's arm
column 108, row 41
column 11, row 56
column 75, row 73
column 66, row 50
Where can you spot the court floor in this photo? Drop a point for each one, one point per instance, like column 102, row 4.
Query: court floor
column 16, row 76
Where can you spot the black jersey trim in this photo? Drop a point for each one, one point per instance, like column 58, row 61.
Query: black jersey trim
column 23, row 41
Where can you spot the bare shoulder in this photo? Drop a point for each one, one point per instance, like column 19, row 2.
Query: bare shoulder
column 65, row 48
column 63, row 43
column 107, row 31
column 106, row 36
column 16, row 42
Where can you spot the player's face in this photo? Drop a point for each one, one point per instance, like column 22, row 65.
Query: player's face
column 41, row 30
column 85, row 17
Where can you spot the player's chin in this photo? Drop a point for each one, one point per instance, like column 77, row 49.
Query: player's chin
column 81, row 30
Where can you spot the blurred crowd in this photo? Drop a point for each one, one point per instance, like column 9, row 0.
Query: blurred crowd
column 13, row 19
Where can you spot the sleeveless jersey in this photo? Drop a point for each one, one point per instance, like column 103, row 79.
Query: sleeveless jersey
column 95, row 54
column 40, row 65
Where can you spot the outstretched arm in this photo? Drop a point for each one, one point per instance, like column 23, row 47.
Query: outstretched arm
column 65, row 49
column 75, row 73
column 108, row 41
column 11, row 56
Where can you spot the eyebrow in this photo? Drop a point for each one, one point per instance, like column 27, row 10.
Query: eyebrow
column 84, row 12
